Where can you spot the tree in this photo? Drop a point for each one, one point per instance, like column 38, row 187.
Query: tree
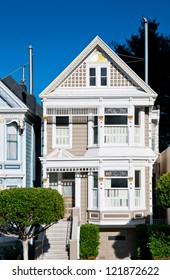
column 132, row 52
column 163, row 189
column 22, row 210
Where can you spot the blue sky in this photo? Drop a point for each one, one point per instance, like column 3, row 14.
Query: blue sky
column 60, row 30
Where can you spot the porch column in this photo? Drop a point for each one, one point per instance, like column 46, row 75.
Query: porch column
column 101, row 193
column 131, row 188
column 100, row 126
column 131, row 118
column 59, row 186
column 77, row 189
column 90, row 190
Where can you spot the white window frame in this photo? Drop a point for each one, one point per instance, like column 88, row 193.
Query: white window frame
column 54, row 145
column 98, row 66
column 18, row 143
column 116, row 125
column 142, row 187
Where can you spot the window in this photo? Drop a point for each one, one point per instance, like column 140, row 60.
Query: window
column 92, row 76
column 116, row 188
column 62, row 131
column 12, row 141
column 103, row 76
column 137, row 116
column 116, row 126
column 137, row 178
column 95, row 130
column 98, row 76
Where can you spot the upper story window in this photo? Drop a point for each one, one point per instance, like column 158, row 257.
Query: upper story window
column 98, row 76
column 116, row 126
column 12, row 141
column 62, row 130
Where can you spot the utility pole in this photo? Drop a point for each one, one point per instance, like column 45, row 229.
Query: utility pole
column 146, row 49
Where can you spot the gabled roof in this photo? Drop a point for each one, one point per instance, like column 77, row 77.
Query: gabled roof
column 97, row 43
column 24, row 99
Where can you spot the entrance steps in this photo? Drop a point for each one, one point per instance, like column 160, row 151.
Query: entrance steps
column 55, row 243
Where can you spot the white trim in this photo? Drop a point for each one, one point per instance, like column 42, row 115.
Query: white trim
column 54, row 145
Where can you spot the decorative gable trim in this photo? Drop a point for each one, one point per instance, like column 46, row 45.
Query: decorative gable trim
column 99, row 44
column 59, row 154
column 10, row 98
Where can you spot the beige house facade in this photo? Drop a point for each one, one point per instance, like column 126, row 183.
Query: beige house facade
column 100, row 141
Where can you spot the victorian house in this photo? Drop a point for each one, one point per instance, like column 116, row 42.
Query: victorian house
column 100, row 142
column 20, row 139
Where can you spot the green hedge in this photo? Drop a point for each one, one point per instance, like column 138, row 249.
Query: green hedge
column 153, row 242
column 89, row 241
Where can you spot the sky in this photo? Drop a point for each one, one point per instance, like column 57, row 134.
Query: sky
column 59, row 30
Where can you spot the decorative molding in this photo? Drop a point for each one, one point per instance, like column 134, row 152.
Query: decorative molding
column 116, row 173
column 116, row 110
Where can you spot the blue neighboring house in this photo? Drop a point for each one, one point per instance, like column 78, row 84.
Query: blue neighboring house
column 20, row 141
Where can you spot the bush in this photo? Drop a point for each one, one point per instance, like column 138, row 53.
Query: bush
column 153, row 241
column 89, row 241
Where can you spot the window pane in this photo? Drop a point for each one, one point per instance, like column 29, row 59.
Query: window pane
column 62, row 121
column 137, row 179
column 103, row 81
column 103, row 72
column 92, row 81
column 119, row 183
column 115, row 120
column 93, row 72
column 137, row 114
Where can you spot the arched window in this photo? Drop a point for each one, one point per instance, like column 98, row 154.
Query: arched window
column 12, row 141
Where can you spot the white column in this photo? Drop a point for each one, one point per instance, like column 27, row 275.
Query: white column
column 101, row 194
column 77, row 190
column 131, row 118
column 59, row 185
column 23, row 159
column 90, row 190
column 150, row 127
column 44, row 179
column 150, row 192
column 100, row 126
column 2, row 137
column 131, row 187
column 142, row 127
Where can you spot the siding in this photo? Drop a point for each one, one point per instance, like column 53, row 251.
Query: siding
column 28, row 155
column 83, row 198
column 79, row 136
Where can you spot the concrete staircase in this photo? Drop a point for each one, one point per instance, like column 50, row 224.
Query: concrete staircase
column 55, row 243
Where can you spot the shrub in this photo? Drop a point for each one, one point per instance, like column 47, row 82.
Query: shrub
column 153, row 241
column 89, row 241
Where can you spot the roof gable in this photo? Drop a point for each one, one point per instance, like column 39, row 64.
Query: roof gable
column 8, row 99
column 97, row 50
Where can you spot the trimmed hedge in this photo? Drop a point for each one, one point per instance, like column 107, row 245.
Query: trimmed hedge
column 153, row 242
column 89, row 241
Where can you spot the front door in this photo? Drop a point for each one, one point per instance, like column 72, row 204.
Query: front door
column 68, row 191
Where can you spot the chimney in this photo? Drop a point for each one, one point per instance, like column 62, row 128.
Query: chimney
column 31, row 70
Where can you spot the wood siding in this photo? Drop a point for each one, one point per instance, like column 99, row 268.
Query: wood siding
column 83, row 198
column 28, row 154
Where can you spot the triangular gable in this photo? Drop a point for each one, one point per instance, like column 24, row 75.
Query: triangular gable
column 59, row 154
column 8, row 99
column 78, row 77
column 118, row 65
column 4, row 103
